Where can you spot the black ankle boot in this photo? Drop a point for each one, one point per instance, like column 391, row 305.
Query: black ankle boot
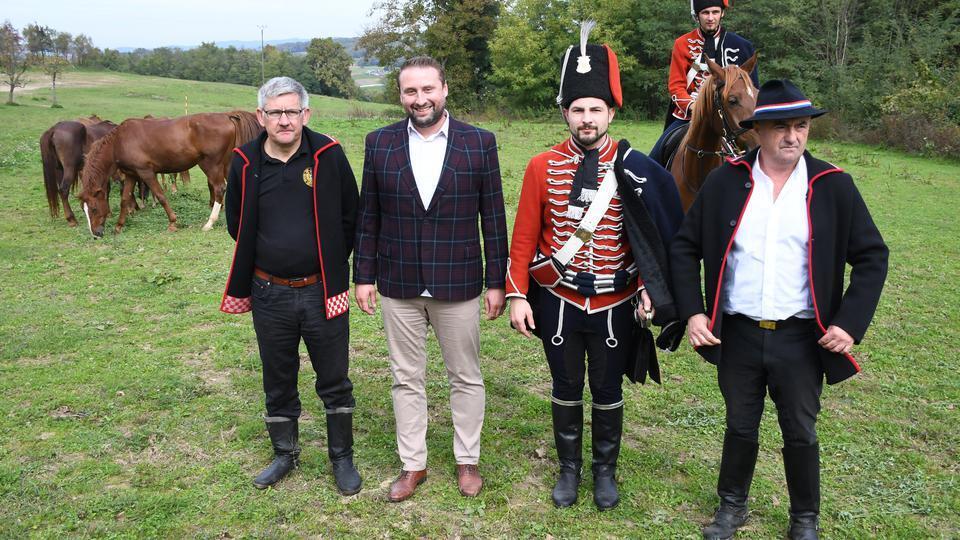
column 733, row 486
column 284, row 435
column 568, row 436
column 802, row 465
column 607, row 430
column 340, row 450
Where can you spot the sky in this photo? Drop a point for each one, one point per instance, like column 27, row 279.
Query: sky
column 150, row 24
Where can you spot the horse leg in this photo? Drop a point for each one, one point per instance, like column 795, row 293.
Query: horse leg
column 66, row 180
column 127, row 202
column 150, row 178
column 217, row 184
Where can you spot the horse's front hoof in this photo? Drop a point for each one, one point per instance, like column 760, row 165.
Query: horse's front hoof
column 172, row 228
column 207, row 226
column 117, row 229
column 71, row 223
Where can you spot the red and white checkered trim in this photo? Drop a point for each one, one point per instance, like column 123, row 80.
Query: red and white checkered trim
column 232, row 304
column 339, row 304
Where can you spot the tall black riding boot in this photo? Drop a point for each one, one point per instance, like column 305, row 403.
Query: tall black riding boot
column 568, row 435
column 340, row 450
column 733, row 486
column 607, row 430
column 284, row 434
column 802, row 465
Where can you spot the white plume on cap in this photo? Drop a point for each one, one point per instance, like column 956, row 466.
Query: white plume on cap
column 583, row 61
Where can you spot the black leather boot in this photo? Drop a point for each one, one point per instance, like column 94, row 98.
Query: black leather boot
column 284, row 434
column 340, row 450
column 607, row 430
column 802, row 465
column 568, row 435
column 733, row 485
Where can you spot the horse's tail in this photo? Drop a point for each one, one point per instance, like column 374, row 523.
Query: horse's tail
column 48, row 155
column 246, row 127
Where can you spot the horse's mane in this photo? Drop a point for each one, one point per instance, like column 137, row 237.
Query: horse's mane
column 98, row 163
column 247, row 126
column 703, row 106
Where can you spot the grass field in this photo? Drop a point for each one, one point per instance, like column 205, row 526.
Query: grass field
column 132, row 406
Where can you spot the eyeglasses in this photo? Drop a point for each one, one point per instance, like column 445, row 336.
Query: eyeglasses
column 275, row 114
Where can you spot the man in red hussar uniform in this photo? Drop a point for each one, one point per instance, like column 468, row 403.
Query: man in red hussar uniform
column 588, row 255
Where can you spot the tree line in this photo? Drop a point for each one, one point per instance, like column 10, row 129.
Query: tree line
column 323, row 67
column 888, row 70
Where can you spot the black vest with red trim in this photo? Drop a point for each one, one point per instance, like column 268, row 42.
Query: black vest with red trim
column 335, row 199
column 841, row 231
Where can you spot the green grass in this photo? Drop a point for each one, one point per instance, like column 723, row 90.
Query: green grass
column 132, row 406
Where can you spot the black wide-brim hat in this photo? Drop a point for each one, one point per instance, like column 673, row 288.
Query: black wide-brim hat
column 780, row 99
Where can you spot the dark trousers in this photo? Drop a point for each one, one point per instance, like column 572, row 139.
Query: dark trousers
column 582, row 334
column 784, row 362
column 658, row 146
column 281, row 317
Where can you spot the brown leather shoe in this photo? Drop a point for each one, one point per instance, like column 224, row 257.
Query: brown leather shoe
column 403, row 487
column 469, row 480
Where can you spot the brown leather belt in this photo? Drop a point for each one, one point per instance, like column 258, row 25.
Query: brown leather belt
column 294, row 282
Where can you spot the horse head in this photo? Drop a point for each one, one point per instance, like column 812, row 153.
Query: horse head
column 734, row 97
column 98, row 167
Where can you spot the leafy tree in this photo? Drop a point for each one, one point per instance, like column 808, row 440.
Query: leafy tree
column 330, row 63
column 82, row 49
column 455, row 32
column 13, row 57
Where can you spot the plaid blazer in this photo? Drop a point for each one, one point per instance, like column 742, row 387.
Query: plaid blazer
column 405, row 248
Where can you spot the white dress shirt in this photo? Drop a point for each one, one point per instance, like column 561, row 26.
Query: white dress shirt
column 766, row 275
column 426, row 160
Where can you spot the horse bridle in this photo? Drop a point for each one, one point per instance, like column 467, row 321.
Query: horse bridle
column 728, row 142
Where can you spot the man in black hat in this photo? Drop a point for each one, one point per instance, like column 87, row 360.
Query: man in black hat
column 777, row 317
column 688, row 62
column 592, row 227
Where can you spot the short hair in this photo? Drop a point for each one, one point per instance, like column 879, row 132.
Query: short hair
column 279, row 86
column 423, row 62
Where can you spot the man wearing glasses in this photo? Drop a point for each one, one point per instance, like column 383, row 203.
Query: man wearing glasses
column 291, row 207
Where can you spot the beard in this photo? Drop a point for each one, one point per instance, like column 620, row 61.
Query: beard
column 429, row 120
column 587, row 140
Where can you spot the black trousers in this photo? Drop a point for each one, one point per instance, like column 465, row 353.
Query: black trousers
column 784, row 362
column 282, row 316
column 603, row 338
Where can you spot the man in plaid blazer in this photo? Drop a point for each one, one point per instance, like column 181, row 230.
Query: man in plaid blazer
column 426, row 180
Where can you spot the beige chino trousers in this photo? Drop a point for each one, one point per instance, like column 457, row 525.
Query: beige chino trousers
column 457, row 328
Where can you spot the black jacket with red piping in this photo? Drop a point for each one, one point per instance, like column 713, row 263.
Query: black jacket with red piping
column 841, row 232
column 335, row 199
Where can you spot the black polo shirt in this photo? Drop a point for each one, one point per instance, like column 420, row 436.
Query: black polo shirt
column 287, row 229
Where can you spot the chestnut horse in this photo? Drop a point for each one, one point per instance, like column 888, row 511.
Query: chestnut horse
column 141, row 148
column 61, row 151
column 727, row 97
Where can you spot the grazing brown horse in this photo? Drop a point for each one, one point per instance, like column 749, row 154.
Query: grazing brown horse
column 141, row 148
column 727, row 97
column 61, row 150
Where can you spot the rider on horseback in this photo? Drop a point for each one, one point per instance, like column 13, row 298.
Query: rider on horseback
column 688, row 64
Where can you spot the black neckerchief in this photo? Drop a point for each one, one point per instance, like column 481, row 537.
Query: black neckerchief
column 584, row 182
column 710, row 44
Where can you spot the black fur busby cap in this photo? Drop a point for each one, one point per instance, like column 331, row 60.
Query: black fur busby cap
column 696, row 6
column 589, row 71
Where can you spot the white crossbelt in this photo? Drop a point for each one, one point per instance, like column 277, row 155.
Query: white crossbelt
column 590, row 221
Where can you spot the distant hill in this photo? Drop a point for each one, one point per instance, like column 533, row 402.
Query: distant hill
column 293, row 45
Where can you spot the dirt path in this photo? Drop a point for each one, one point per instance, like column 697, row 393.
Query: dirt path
column 73, row 79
